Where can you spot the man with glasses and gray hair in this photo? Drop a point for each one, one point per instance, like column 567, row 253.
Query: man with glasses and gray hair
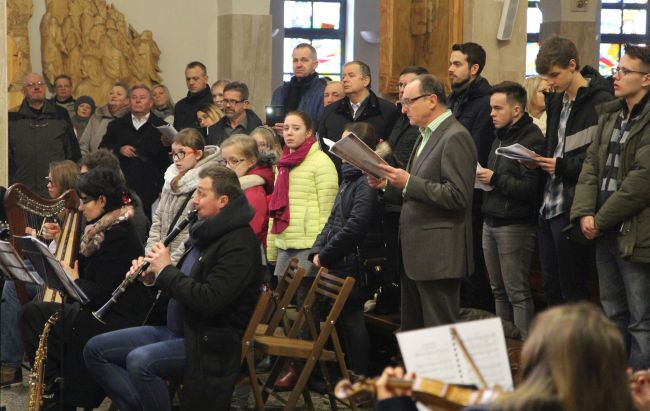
column 40, row 132
column 435, row 191
column 238, row 118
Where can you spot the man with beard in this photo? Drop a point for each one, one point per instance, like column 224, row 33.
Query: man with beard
column 198, row 93
column 469, row 101
column 305, row 90
column 238, row 119
column 40, row 132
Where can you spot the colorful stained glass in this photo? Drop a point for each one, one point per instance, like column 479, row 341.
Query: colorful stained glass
column 327, row 15
column 610, row 21
column 297, row 14
column 329, row 55
column 634, row 21
column 531, row 53
column 609, row 55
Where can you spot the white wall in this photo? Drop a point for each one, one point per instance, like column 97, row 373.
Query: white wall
column 185, row 30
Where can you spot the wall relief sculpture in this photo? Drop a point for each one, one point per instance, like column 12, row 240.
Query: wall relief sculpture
column 18, row 62
column 91, row 42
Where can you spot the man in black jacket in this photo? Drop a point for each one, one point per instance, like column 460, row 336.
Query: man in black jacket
column 510, row 208
column 40, row 132
column 135, row 140
column 238, row 119
column 571, row 126
column 198, row 94
column 469, row 100
column 213, row 293
column 360, row 104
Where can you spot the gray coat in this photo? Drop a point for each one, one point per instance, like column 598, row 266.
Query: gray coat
column 96, row 128
column 436, row 221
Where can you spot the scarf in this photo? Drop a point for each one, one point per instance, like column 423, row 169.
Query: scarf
column 297, row 88
column 94, row 233
column 279, row 205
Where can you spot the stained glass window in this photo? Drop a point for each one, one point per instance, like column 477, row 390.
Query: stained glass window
column 321, row 24
column 621, row 21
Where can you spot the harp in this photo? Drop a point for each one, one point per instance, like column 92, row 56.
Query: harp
column 26, row 209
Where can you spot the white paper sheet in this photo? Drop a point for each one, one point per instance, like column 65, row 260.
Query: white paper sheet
column 478, row 184
column 516, row 152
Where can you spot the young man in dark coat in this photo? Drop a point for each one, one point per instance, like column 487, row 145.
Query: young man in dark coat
column 510, row 208
column 360, row 104
column 213, row 292
column 198, row 94
column 238, row 119
column 571, row 126
column 469, row 101
column 135, row 140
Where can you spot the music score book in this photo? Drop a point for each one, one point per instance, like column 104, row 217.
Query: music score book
column 354, row 151
column 434, row 353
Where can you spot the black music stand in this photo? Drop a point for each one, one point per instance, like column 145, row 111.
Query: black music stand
column 56, row 278
column 13, row 267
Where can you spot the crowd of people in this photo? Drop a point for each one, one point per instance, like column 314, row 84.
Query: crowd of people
column 267, row 194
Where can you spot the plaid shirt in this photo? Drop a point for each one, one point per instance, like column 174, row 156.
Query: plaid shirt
column 554, row 201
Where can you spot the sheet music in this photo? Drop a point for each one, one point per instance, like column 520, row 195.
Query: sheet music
column 14, row 267
column 432, row 352
column 516, row 152
column 478, row 184
column 351, row 149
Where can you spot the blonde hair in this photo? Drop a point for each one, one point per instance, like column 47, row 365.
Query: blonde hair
column 64, row 174
column 188, row 137
column 244, row 144
column 271, row 139
column 531, row 84
column 170, row 100
column 574, row 359
column 212, row 111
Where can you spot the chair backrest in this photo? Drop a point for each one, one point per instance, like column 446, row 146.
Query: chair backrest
column 258, row 313
column 283, row 295
column 329, row 290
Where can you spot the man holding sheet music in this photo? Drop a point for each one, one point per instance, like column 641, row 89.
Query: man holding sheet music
column 435, row 191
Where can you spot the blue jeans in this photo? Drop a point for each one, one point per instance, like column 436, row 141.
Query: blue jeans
column 625, row 295
column 132, row 365
column 508, row 250
column 11, row 344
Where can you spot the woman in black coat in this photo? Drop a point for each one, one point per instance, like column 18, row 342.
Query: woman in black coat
column 107, row 247
column 353, row 216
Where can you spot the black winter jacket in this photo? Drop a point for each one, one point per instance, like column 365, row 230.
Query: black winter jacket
column 353, row 216
column 375, row 110
column 402, row 138
column 35, row 140
column 580, row 129
column 185, row 110
column 471, row 107
column 144, row 173
column 514, row 199
column 216, row 133
column 218, row 298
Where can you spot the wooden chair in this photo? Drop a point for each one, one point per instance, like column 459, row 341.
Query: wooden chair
column 282, row 297
column 334, row 291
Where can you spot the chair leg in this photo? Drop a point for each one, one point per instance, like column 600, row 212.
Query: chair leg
column 252, row 375
column 300, row 385
column 340, row 357
column 273, row 375
column 307, row 397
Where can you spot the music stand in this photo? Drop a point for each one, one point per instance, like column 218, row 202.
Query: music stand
column 13, row 267
column 56, row 278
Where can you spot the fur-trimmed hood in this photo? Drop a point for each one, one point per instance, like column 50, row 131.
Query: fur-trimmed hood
column 189, row 181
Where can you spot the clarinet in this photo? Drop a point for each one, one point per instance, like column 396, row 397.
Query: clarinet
column 130, row 278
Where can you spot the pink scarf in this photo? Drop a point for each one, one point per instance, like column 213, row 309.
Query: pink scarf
column 279, row 205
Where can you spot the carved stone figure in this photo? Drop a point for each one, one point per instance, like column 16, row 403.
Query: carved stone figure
column 18, row 58
column 91, row 42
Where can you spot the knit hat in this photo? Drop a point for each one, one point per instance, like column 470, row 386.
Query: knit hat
column 85, row 99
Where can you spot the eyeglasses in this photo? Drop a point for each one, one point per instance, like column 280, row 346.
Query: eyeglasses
column 624, row 72
column 49, row 180
column 235, row 162
column 180, row 155
column 35, row 84
column 86, row 200
column 409, row 101
column 230, row 102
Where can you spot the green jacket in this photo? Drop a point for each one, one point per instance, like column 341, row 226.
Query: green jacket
column 313, row 185
column 630, row 205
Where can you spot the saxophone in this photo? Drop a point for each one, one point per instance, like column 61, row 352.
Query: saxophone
column 36, row 386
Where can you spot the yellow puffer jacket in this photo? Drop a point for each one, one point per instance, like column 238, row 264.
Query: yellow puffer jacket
column 312, row 189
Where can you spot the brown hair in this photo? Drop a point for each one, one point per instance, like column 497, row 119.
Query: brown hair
column 304, row 117
column 224, row 181
column 574, row 359
column 554, row 51
column 188, row 137
column 64, row 174
column 270, row 138
column 244, row 144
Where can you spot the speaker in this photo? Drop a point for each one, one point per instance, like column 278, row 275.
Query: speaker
column 507, row 23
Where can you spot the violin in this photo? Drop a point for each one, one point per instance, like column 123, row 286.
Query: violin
column 430, row 392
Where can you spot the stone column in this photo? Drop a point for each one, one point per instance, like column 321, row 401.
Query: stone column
column 4, row 141
column 580, row 24
column 244, row 54
column 506, row 60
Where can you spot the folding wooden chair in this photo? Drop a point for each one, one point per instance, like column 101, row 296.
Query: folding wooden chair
column 282, row 297
column 334, row 291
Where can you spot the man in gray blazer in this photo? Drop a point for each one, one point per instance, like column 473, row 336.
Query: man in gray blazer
column 435, row 191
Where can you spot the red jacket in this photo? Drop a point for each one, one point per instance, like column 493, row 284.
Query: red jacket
column 258, row 185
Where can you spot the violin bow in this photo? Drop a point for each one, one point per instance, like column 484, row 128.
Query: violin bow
column 468, row 357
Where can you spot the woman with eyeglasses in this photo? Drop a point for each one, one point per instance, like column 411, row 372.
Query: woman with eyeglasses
column 107, row 247
column 189, row 156
column 255, row 176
